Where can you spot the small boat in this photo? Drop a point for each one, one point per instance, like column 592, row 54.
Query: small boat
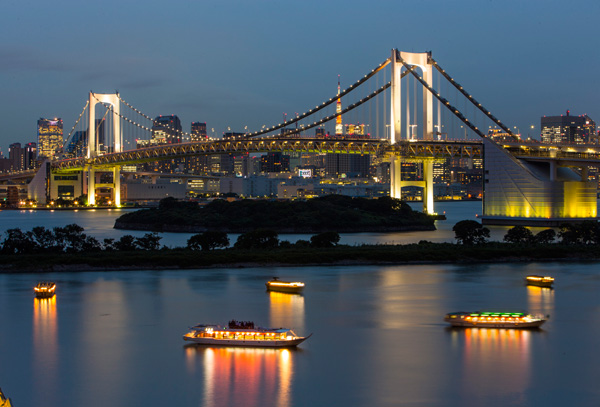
column 494, row 319
column 285, row 286
column 44, row 289
column 540, row 281
column 4, row 401
column 243, row 333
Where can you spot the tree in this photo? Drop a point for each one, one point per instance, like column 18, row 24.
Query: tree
column 469, row 232
column 519, row 235
column 208, row 240
column 108, row 244
column 257, row 239
column 586, row 232
column 17, row 241
column 325, row 239
column 126, row 243
column 70, row 238
column 150, row 241
column 45, row 239
column 545, row 236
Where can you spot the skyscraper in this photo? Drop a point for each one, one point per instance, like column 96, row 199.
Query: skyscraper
column 50, row 137
column 569, row 129
column 16, row 155
column 30, row 155
column 166, row 130
column 199, row 131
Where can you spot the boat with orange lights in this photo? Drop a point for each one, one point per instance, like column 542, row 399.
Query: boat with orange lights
column 488, row 319
column 243, row 333
column 540, row 281
column 294, row 287
column 44, row 289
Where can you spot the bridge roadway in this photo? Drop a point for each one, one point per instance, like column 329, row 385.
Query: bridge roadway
column 573, row 155
column 409, row 149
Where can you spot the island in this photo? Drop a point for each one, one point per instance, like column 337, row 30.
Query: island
column 338, row 213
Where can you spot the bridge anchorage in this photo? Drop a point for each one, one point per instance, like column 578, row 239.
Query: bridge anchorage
column 531, row 184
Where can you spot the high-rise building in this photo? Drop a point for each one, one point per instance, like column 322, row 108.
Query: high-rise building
column 198, row 131
column 347, row 165
column 275, row 162
column 50, row 137
column 569, row 129
column 166, row 130
column 30, row 155
column 16, row 155
column 77, row 145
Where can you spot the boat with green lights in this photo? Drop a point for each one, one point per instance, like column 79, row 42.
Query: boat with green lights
column 490, row 319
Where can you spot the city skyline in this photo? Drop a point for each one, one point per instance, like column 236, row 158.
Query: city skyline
column 240, row 65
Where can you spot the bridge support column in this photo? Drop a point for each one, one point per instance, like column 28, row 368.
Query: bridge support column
column 396, row 102
column 428, row 189
column 584, row 173
column 395, row 178
column 117, row 185
column 552, row 170
column 91, row 186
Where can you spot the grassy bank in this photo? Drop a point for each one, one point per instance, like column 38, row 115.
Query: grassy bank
column 366, row 254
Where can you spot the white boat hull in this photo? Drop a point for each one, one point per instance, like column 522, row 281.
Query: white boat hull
column 284, row 343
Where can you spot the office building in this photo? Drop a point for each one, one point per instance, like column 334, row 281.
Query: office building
column 569, row 129
column 347, row 165
column 166, row 130
column 198, row 131
column 275, row 162
column 50, row 137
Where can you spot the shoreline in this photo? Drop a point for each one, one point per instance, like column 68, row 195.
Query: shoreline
column 376, row 255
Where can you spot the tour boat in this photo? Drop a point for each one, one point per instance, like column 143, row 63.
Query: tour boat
column 540, row 281
column 285, row 286
column 494, row 319
column 44, row 289
column 243, row 333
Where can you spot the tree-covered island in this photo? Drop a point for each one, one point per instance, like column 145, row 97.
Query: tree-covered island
column 68, row 248
column 338, row 213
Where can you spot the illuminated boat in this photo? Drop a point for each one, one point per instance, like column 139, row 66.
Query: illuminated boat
column 276, row 284
column 44, row 289
column 243, row 334
column 4, row 401
column 494, row 320
column 540, row 281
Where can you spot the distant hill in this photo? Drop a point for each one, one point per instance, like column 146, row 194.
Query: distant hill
column 329, row 213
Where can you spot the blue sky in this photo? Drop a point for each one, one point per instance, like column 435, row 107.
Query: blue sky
column 241, row 63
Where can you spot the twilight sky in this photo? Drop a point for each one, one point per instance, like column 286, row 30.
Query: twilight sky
column 236, row 63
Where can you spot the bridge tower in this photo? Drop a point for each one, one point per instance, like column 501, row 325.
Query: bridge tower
column 423, row 61
column 111, row 99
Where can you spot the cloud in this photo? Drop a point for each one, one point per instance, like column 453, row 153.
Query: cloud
column 13, row 59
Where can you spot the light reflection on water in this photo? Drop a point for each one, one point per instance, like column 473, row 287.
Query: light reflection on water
column 286, row 310
column 378, row 339
column 45, row 347
column 243, row 376
column 496, row 363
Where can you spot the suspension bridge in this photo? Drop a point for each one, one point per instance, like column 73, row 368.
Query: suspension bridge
column 418, row 114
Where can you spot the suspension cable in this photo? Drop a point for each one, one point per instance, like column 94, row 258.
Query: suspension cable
column 76, row 122
column 446, row 103
column 324, row 104
column 333, row 116
column 471, row 98
column 151, row 119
